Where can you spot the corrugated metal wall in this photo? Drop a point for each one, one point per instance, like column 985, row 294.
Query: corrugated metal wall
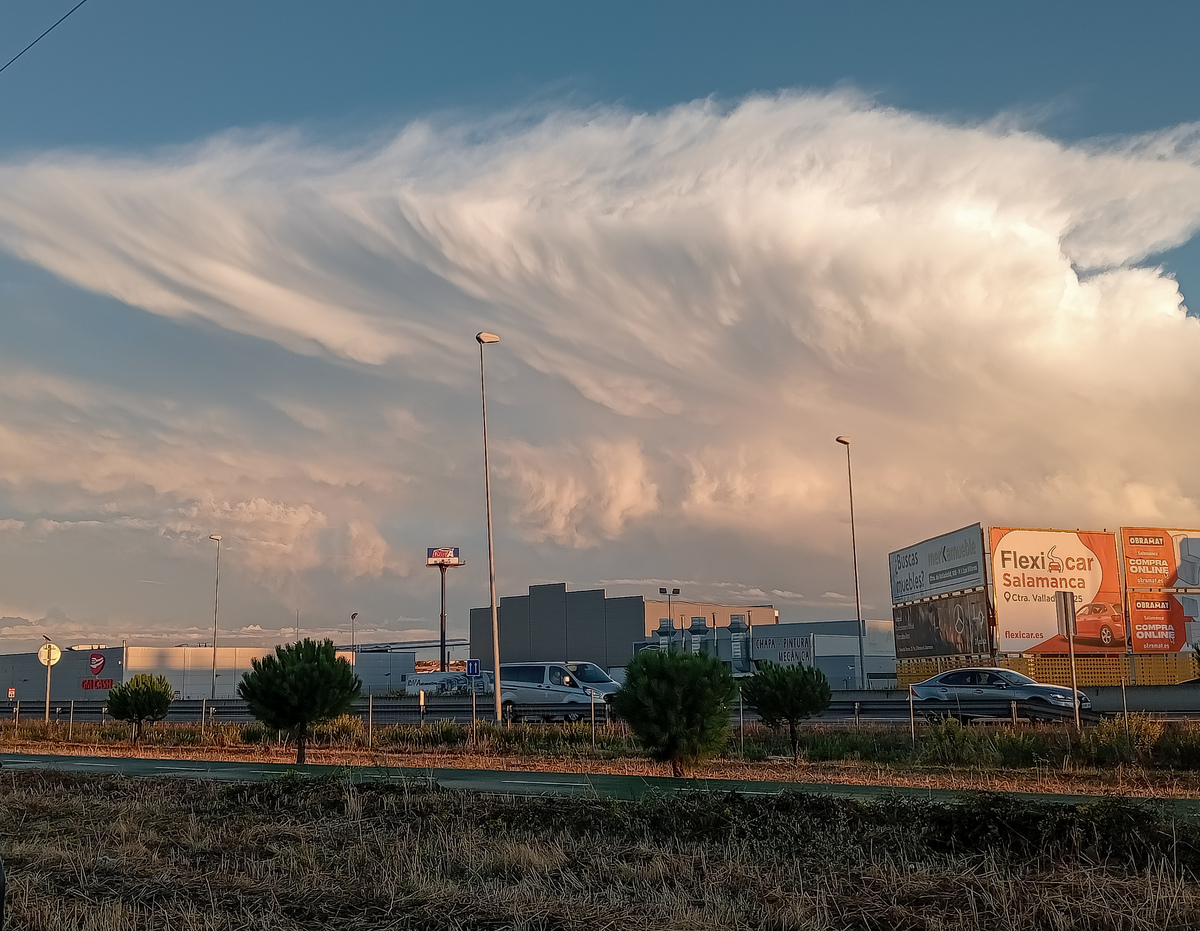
column 585, row 632
column 624, row 625
column 547, row 622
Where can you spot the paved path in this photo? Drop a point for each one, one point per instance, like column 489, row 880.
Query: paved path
column 503, row 782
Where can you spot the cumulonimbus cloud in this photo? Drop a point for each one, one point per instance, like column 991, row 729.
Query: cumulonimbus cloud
column 715, row 291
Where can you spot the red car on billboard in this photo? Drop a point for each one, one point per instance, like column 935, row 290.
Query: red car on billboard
column 1100, row 622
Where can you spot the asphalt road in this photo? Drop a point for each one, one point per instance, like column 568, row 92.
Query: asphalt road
column 500, row 782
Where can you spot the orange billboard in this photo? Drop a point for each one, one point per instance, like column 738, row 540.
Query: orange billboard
column 1162, row 581
column 1029, row 566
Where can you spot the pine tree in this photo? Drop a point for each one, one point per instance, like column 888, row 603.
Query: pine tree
column 142, row 699
column 303, row 684
column 677, row 705
column 787, row 695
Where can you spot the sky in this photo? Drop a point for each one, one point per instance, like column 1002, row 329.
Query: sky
column 245, row 248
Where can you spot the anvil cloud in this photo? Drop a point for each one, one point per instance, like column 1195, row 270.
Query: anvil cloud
column 692, row 303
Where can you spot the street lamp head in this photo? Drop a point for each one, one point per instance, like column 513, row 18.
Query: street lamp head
column 215, row 536
column 354, row 615
column 844, row 440
column 662, row 591
column 487, row 338
column 674, row 591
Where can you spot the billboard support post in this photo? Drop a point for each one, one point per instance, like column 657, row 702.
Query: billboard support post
column 1066, row 620
column 444, row 557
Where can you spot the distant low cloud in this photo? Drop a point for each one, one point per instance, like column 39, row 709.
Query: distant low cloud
column 692, row 304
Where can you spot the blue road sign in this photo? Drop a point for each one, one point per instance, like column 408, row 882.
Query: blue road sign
column 472, row 667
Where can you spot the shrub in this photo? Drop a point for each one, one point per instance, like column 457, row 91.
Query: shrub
column 142, row 699
column 677, row 705
column 303, row 684
column 787, row 695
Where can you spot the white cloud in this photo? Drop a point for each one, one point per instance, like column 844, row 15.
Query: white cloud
column 693, row 304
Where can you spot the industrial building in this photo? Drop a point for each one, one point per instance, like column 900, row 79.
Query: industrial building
column 89, row 671
column 830, row 646
column 550, row 623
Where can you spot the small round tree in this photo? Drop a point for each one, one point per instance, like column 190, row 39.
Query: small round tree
column 303, row 684
column 677, row 705
column 144, row 698
column 787, row 695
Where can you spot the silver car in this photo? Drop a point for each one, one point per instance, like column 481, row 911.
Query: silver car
column 985, row 691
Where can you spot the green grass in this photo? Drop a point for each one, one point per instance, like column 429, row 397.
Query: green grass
column 93, row 853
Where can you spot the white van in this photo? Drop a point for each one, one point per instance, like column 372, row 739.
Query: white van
column 576, row 685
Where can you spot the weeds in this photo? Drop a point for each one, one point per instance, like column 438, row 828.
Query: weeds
column 113, row 854
column 1145, row 741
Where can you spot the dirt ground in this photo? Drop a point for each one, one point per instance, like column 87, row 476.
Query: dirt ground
column 1126, row 781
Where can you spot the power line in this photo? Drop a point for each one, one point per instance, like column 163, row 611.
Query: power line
column 43, row 35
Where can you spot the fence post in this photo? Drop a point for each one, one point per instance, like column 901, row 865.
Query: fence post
column 741, row 722
column 912, row 718
column 17, row 714
column 71, row 722
column 370, row 720
column 1014, row 713
column 421, row 695
column 202, row 719
column 856, row 721
column 592, row 693
column 474, row 736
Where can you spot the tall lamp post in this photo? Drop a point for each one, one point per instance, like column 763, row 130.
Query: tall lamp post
column 862, row 664
column 670, row 594
column 216, row 612
column 353, row 649
column 483, row 339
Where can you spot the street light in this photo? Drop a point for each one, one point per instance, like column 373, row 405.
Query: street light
column 862, row 662
column 216, row 612
column 352, row 617
column 483, row 339
column 670, row 594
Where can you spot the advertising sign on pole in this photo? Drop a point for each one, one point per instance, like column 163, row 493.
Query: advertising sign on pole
column 951, row 562
column 1030, row 566
column 442, row 556
column 1162, row 580
column 954, row 625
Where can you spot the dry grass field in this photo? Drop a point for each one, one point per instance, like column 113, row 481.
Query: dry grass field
column 1158, row 762
column 115, row 854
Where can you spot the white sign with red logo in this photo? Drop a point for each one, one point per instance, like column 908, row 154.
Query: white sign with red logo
column 443, row 556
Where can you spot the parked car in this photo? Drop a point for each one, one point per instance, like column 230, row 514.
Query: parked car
column 983, row 691
column 573, row 684
column 1101, row 622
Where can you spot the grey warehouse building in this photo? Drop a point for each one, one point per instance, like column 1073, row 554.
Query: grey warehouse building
column 552, row 624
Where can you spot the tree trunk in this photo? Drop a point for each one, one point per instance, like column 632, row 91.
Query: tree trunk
column 677, row 769
column 137, row 731
column 301, row 739
column 795, row 741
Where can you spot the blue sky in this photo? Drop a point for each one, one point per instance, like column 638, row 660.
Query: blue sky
column 239, row 242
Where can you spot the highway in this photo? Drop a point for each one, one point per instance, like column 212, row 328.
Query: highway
column 867, row 707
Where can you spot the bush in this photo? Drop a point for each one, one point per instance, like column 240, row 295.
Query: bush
column 142, row 699
column 787, row 695
column 677, row 705
column 303, row 684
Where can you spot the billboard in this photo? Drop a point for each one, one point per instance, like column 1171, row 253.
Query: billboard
column 949, row 563
column 948, row 626
column 443, row 556
column 1029, row 566
column 1161, row 567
